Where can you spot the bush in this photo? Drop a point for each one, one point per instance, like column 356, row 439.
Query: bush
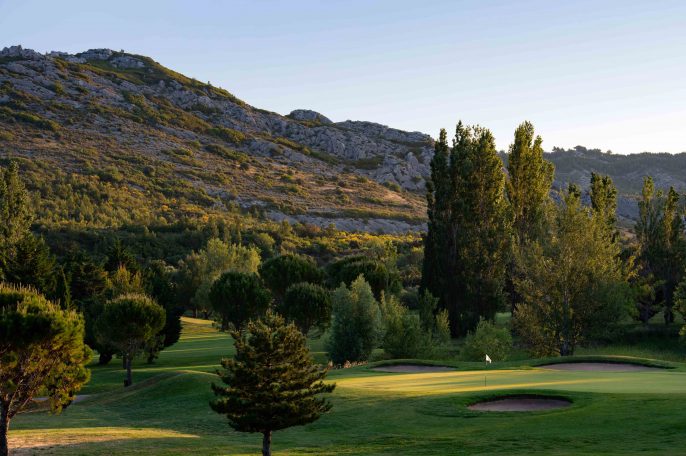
column 357, row 325
column 487, row 339
column 227, row 134
column 404, row 336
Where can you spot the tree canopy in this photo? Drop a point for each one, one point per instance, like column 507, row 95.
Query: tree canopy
column 271, row 382
column 42, row 351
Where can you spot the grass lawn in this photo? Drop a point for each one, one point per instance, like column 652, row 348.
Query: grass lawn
column 166, row 412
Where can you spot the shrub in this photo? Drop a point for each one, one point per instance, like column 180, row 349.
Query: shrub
column 357, row 325
column 227, row 134
column 404, row 336
column 487, row 339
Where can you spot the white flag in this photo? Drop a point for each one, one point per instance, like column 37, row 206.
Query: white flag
column 488, row 359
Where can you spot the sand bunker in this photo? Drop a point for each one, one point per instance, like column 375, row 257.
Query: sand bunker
column 412, row 368
column 599, row 367
column 520, row 404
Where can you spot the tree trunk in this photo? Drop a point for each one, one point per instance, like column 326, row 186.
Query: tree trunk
column 127, row 362
column 195, row 313
column 4, row 429
column 267, row 443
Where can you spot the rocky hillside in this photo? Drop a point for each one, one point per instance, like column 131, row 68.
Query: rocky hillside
column 123, row 125
column 113, row 138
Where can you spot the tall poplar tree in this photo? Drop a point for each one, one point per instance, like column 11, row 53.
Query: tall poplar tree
column 530, row 177
column 662, row 244
column 466, row 248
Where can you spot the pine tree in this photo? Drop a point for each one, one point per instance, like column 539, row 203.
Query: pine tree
column 42, row 354
column 272, row 381
column 16, row 213
column 128, row 323
column 32, row 263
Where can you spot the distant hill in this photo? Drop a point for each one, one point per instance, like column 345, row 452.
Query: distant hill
column 110, row 138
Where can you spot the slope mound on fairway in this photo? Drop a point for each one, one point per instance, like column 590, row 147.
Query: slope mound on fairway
column 521, row 403
column 600, row 367
column 412, row 368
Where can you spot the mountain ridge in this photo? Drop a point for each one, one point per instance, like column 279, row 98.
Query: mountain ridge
column 125, row 126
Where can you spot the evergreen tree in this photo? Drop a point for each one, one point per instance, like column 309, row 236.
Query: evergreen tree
column 160, row 285
column 128, row 323
column 16, row 214
column 32, row 263
column 466, row 248
column 307, row 305
column 282, row 271
column 272, row 381
column 238, row 298
column 42, row 352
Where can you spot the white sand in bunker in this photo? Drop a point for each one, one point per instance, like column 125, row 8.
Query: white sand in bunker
column 600, row 367
column 412, row 368
column 520, row 404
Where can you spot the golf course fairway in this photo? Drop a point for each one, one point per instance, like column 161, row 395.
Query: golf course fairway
column 166, row 411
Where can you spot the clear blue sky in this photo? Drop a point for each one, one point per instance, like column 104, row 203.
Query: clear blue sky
column 607, row 74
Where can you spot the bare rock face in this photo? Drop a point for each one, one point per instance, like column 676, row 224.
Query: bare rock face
column 309, row 116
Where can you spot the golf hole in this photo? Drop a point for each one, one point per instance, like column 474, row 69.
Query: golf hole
column 521, row 403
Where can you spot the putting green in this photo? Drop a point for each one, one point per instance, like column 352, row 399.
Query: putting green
column 440, row 383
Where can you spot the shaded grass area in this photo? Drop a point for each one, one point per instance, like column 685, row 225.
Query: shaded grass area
column 374, row 413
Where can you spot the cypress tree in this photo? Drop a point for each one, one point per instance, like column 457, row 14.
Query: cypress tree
column 272, row 381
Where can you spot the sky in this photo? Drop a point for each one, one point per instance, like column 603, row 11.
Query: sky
column 603, row 74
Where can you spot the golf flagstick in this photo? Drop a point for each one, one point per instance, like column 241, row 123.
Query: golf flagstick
column 488, row 361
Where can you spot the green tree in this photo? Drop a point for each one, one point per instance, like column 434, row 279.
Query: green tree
column 404, row 336
column 307, row 305
column 128, row 323
column 467, row 246
column 160, row 286
column 282, row 271
column 530, row 178
column 573, row 283
column 16, row 214
column 32, row 264
column 272, row 381
column 487, row 339
column 238, row 297
column 662, row 244
column 357, row 326
column 375, row 271
column 604, row 201
column 42, row 351
column 216, row 258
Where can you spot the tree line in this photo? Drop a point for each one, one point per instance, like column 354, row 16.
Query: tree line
column 504, row 239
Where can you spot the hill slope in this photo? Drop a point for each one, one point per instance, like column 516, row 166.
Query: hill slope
column 109, row 138
column 105, row 126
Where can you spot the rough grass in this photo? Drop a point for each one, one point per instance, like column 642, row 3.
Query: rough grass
column 166, row 412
